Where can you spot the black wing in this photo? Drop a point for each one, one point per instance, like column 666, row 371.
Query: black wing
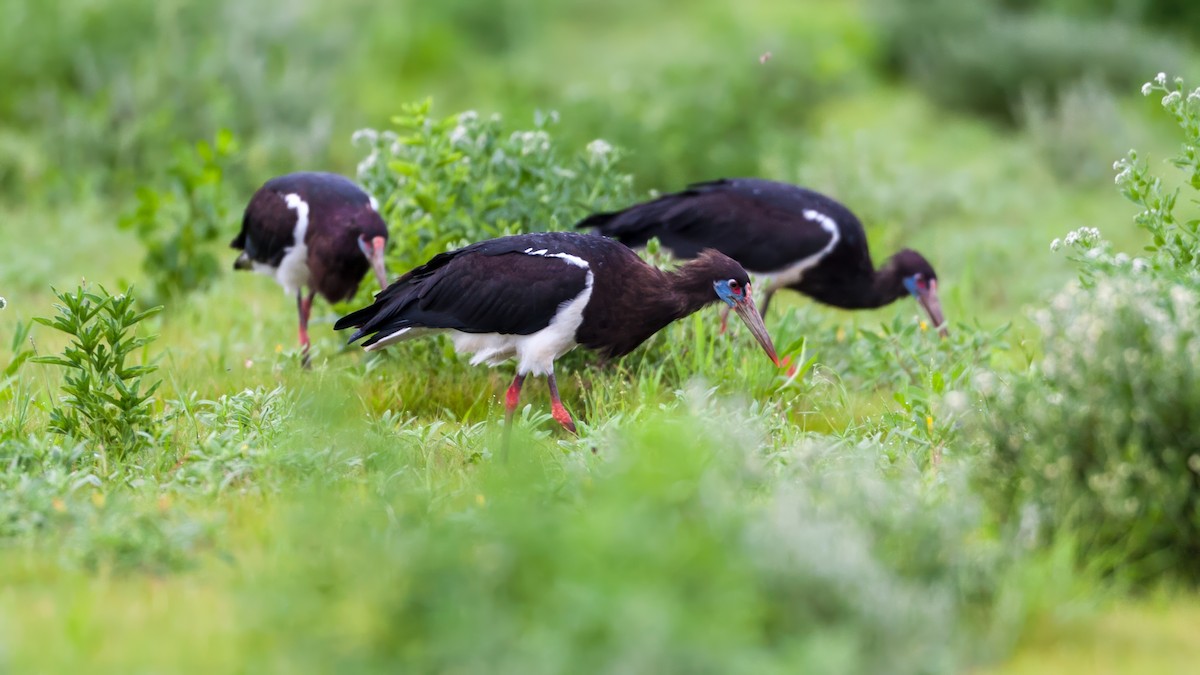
column 490, row 287
column 268, row 228
column 761, row 224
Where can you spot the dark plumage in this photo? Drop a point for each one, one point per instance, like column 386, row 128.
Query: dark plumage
column 802, row 239
column 314, row 230
column 534, row 297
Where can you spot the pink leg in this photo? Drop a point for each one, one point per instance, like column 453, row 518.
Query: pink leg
column 556, row 407
column 304, row 308
column 725, row 319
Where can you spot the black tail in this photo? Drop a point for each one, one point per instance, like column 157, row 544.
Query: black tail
column 633, row 226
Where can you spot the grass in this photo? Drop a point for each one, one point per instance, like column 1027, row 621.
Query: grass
column 712, row 515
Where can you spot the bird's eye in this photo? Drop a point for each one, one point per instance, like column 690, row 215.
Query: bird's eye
column 733, row 285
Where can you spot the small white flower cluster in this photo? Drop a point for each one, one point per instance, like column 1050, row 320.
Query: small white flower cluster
column 466, row 124
column 370, row 136
column 1125, row 167
column 3, row 302
column 532, row 142
column 599, row 149
column 1160, row 80
column 1171, row 99
column 1084, row 235
column 1194, row 96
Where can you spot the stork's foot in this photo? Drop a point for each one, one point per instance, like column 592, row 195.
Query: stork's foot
column 556, row 407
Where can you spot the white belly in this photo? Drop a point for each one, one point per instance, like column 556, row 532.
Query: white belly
column 535, row 353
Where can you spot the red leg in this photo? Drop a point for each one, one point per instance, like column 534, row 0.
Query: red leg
column 510, row 406
column 304, row 308
column 556, row 407
column 512, row 398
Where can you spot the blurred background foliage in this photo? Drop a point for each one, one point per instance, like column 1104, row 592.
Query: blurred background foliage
column 903, row 505
column 99, row 93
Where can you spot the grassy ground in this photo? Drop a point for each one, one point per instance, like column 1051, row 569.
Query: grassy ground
column 712, row 516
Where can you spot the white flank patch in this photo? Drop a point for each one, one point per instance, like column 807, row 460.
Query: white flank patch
column 293, row 269
column 795, row 272
column 536, row 352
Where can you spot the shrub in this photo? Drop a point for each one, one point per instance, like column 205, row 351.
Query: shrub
column 97, row 94
column 648, row 557
column 447, row 182
column 1100, row 440
column 179, row 222
column 983, row 58
column 104, row 401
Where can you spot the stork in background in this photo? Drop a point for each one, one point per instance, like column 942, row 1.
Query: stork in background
column 534, row 297
column 792, row 237
column 314, row 231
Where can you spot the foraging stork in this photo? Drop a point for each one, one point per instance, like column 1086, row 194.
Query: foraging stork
column 798, row 238
column 534, row 297
column 314, row 230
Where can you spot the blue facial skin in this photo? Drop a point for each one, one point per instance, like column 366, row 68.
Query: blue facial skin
column 726, row 293
column 910, row 283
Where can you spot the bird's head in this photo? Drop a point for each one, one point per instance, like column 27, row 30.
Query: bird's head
column 732, row 284
column 920, row 281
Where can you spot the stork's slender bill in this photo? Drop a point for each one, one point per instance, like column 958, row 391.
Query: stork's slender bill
column 314, row 232
column 534, row 297
column 788, row 236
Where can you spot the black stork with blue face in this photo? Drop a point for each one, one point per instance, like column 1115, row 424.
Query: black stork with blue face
column 534, row 297
column 314, row 231
column 796, row 238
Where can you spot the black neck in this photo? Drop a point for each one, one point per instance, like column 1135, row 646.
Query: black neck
column 883, row 287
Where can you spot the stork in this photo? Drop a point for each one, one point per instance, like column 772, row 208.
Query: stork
column 314, row 231
column 794, row 237
column 534, row 297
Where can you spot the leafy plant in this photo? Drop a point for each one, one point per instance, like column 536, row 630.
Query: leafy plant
column 1175, row 239
column 179, row 222
column 1099, row 441
column 446, row 182
column 104, row 401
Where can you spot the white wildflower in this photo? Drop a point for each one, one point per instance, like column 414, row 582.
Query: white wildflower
column 459, row 133
column 1083, row 235
column 1054, row 245
column 1117, row 164
column 1147, row 88
column 1171, row 98
column 1161, row 79
column 1194, row 96
column 956, row 401
column 3, row 302
column 599, row 148
column 1140, row 265
column 1121, row 177
column 467, row 117
column 368, row 135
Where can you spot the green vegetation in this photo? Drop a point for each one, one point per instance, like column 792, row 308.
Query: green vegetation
column 1018, row 497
